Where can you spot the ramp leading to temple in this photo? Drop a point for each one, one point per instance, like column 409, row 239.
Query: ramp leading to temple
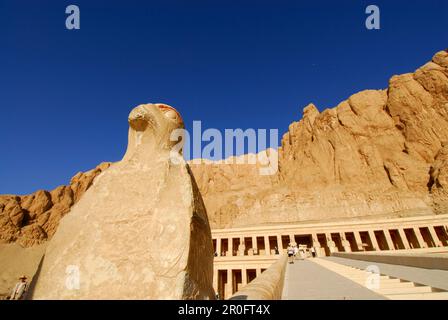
column 308, row 280
column 430, row 277
column 319, row 279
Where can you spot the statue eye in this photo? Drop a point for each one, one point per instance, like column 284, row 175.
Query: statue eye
column 171, row 114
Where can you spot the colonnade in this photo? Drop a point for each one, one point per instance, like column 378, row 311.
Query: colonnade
column 230, row 280
column 241, row 254
column 326, row 242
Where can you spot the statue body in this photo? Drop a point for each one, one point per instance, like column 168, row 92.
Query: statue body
column 141, row 230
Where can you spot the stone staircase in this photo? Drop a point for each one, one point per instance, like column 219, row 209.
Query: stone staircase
column 389, row 287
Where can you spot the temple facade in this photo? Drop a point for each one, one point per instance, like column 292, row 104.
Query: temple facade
column 241, row 254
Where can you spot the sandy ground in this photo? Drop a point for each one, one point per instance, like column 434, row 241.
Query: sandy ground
column 16, row 261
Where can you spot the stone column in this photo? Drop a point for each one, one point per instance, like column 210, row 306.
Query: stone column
column 404, row 239
column 215, row 279
column 315, row 241
column 419, row 237
column 279, row 243
column 229, row 284
column 330, row 243
column 230, row 247
column 254, row 244
column 434, row 236
column 258, row 272
column 243, row 277
column 358, row 240
column 389, row 241
column 345, row 242
column 241, row 247
column 291, row 238
column 316, row 244
column 373, row 240
column 218, row 246
column 267, row 246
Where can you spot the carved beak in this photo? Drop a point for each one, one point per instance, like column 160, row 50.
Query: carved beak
column 140, row 118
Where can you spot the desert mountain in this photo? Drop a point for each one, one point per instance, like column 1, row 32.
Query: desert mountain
column 34, row 218
column 378, row 153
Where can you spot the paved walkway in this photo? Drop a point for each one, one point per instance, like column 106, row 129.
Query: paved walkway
column 306, row 280
column 431, row 277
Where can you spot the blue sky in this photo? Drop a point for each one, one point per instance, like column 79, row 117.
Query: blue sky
column 65, row 95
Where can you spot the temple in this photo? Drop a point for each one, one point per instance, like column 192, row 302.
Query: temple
column 242, row 254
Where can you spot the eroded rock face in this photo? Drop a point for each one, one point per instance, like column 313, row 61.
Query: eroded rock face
column 380, row 152
column 31, row 219
column 140, row 231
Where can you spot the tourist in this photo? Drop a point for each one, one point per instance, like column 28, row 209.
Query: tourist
column 276, row 250
column 296, row 251
column 290, row 252
column 302, row 253
column 313, row 252
column 19, row 289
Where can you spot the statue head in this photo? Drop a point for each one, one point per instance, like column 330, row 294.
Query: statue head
column 150, row 128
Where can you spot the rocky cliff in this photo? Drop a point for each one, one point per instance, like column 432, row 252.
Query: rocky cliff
column 34, row 218
column 380, row 152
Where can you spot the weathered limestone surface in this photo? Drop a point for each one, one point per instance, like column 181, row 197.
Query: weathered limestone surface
column 380, row 152
column 140, row 231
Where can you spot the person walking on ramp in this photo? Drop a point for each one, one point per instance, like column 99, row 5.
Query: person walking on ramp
column 290, row 252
